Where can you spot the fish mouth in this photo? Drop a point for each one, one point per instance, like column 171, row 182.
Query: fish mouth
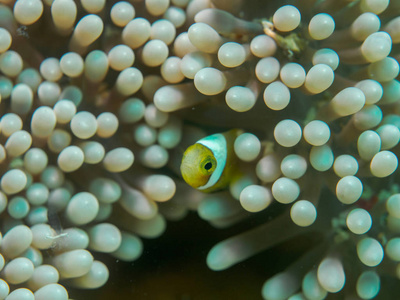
column 187, row 174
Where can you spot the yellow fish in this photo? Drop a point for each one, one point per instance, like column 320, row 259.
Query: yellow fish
column 210, row 164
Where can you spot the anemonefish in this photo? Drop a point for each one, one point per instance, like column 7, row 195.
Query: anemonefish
column 210, row 164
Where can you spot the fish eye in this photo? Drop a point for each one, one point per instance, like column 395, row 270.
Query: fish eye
column 208, row 166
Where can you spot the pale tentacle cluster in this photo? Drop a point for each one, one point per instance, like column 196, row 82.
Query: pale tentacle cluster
column 99, row 99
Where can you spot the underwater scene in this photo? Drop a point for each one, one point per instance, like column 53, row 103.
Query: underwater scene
column 199, row 149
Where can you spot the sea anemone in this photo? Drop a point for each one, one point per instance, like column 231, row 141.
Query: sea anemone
column 99, row 100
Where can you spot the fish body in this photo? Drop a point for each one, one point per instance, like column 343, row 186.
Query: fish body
column 210, row 164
